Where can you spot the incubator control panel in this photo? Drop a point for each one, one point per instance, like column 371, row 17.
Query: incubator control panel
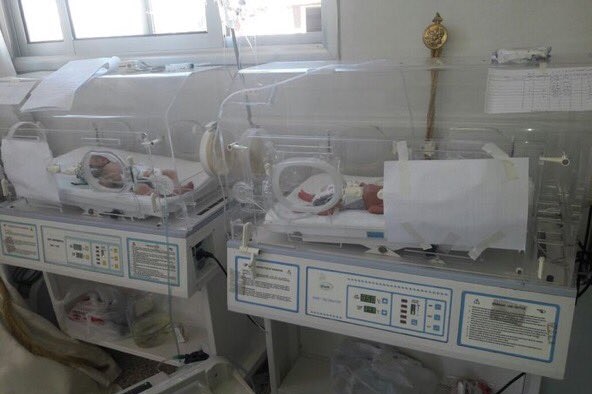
column 398, row 306
column 119, row 257
column 90, row 251
column 412, row 307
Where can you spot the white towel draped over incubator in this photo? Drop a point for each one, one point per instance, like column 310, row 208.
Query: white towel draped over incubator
column 340, row 154
column 129, row 147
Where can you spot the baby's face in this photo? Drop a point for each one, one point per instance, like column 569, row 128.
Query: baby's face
column 98, row 161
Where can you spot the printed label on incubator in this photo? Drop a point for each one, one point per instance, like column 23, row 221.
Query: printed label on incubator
column 503, row 325
column 19, row 240
column 153, row 261
column 267, row 283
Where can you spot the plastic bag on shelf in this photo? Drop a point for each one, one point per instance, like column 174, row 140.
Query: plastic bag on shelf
column 359, row 367
column 469, row 386
column 149, row 321
column 95, row 312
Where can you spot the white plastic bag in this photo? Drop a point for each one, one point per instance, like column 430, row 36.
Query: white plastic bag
column 96, row 312
column 359, row 367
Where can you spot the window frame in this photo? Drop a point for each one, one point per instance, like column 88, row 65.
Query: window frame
column 104, row 46
column 212, row 46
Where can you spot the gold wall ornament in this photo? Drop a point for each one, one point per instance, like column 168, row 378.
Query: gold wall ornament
column 435, row 36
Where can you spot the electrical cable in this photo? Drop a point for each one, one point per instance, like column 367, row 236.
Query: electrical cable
column 201, row 254
column 511, row 382
column 259, row 326
column 583, row 259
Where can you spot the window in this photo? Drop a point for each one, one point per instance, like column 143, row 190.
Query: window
column 148, row 27
column 116, row 18
column 282, row 17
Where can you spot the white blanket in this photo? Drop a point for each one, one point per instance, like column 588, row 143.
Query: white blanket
column 24, row 372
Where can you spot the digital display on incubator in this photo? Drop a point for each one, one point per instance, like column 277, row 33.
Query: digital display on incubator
column 77, row 247
column 368, row 298
column 369, row 309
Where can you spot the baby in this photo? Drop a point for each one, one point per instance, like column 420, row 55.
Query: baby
column 146, row 180
column 356, row 196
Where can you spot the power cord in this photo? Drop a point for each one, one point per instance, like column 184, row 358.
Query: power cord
column 194, row 357
column 584, row 264
column 511, row 382
column 201, row 254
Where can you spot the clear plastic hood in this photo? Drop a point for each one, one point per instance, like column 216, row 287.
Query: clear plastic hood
column 441, row 163
column 129, row 147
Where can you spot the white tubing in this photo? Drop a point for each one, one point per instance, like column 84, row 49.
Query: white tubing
column 336, row 178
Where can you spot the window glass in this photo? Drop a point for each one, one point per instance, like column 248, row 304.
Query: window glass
column 264, row 17
column 108, row 18
column 42, row 20
column 178, row 16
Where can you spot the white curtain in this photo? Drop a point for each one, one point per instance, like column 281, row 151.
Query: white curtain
column 6, row 66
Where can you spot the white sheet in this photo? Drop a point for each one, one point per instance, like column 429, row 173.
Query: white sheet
column 28, row 373
column 473, row 204
column 130, row 203
column 25, row 163
column 56, row 92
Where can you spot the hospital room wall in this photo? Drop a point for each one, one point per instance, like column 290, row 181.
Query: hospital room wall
column 392, row 29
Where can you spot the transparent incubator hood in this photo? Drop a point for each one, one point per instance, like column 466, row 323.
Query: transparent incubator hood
column 453, row 164
column 129, row 147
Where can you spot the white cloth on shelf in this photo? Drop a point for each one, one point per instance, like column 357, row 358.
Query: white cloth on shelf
column 56, row 92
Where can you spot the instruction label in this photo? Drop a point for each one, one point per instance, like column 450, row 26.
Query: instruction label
column 267, row 283
column 505, row 325
column 19, row 240
column 153, row 261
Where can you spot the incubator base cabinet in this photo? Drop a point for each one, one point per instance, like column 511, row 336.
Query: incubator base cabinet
column 149, row 255
column 511, row 324
column 77, row 252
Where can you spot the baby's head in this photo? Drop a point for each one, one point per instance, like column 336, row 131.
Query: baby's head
column 98, row 161
column 107, row 172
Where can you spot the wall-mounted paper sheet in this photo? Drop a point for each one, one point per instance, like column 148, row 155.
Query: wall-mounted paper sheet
column 13, row 90
column 56, row 92
column 25, row 164
column 472, row 202
column 536, row 90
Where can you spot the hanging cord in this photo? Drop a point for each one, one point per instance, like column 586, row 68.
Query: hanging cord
column 169, row 287
column 242, row 77
column 235, row 47
column 19, row 331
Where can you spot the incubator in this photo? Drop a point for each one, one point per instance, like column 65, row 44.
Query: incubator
column 441, row 208
column 453, row 164
column 109, row 200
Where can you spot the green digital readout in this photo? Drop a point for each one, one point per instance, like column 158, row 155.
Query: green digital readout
column 369, row 309
column 368, row 298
